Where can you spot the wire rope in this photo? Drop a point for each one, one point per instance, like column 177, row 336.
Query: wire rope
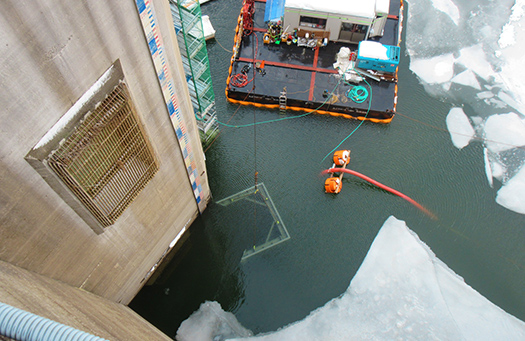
column 254, row 52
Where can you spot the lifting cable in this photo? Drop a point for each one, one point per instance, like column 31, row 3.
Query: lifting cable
column 284, row 118
column 256, row 174
column 269, row 121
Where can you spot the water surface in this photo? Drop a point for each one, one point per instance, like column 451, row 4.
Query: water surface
column 331, row 234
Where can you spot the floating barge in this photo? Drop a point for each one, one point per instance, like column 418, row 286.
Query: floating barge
column 285, row 50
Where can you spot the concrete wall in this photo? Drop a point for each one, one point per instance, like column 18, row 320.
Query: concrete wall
column 51, row 52
column 73, row 307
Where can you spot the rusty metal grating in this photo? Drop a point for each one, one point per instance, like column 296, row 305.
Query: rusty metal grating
column 107, row 160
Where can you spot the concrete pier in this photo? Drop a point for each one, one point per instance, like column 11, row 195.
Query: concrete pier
column 52, row 56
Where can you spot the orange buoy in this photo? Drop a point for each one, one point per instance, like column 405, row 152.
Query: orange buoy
column 341, row 157
column 333, row 185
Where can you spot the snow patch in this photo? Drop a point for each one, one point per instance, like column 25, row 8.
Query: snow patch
column 74, row 110
column 447, row 7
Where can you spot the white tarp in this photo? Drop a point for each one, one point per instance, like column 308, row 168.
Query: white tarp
column 383, row 7
column 373, row 49
column 356, row 8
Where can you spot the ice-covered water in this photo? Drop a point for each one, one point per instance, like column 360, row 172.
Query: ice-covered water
column 401, row 291
column 466, row 54
column 473, row 57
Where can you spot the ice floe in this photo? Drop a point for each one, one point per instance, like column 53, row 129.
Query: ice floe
column 447, row 7
column 402, row 291
column 458, row 124
column 484, row 54
column 511, row 194
column 503, row 132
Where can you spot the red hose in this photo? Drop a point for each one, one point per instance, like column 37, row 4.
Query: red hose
column 380, row 185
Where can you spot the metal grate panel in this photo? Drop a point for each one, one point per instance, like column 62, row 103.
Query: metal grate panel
column 107, row 161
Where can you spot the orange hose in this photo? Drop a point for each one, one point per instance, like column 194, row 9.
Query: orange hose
column 380, row 185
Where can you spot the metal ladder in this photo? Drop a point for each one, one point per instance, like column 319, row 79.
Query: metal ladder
column 282, row 101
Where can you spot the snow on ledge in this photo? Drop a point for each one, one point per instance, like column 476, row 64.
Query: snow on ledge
column 73, row 111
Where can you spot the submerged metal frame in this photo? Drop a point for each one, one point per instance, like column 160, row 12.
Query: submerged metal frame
column 277, row 221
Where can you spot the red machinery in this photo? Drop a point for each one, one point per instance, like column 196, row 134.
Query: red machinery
column 248, row 9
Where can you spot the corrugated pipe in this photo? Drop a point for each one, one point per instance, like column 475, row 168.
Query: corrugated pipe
column 21, row 325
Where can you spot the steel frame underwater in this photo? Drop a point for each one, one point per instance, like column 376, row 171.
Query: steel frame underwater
column 268, row 203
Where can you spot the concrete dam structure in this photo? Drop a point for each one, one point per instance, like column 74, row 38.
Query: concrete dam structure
column 102, row 167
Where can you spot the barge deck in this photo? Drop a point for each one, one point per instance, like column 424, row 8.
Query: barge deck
column 304, row 79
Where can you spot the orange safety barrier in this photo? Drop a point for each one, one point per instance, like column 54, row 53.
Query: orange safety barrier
column 322, row 112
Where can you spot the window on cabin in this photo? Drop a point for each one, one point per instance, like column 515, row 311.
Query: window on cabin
column 352, row 32
column 312, row 22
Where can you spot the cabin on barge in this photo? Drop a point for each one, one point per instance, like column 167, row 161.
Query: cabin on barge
column 336, row 57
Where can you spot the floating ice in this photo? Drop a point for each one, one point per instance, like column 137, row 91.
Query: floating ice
column 210, row 322
column 508, row 33
column 467, row 78
column 502, row 95
column 401, row 291
column 447, row 7
column 485, row 94
column 511, row 53
column 473, row 57
column 498, row 169
column 434, row 70
column 511, row 195
column 488, row 167
column 458, row 124
column 483, row 50
column 503, row 132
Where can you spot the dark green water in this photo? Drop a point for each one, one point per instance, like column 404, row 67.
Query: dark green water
column 331, row 234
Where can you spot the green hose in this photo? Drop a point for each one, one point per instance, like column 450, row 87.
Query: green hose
column 358, row 94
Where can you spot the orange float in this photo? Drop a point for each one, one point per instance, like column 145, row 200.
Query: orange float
column 341, row 157
column 333, row 185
